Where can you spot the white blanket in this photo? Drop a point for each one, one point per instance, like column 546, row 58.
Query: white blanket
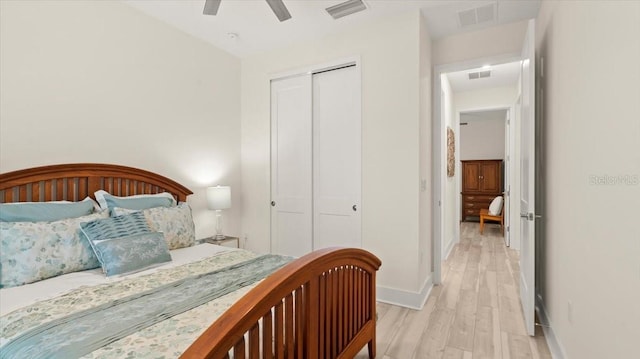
column 18, row 297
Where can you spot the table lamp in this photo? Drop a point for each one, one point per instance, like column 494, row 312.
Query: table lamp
column 219, row 198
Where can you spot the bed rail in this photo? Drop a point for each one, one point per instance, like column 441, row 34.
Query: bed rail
column 321, row 305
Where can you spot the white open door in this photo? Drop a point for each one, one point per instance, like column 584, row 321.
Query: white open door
column 528, row 180
column 291, row 201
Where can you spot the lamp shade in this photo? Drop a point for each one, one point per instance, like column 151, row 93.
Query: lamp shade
column 219, row 197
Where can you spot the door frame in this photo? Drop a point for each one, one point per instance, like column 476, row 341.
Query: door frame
column 439, row 151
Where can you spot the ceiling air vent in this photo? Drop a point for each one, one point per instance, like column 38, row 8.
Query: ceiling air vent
column 479, row 74
column 479, row 15
column 346, row 8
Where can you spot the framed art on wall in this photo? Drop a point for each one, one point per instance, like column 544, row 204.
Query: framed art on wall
column 451, row 152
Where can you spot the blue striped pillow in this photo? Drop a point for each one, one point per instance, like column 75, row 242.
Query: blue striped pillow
column 116, row 227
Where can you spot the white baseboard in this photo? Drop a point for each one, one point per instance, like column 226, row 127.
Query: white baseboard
column 404, row 298
column 447, row 251
column 556, row 349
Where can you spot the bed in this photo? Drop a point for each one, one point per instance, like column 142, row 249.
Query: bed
column 321, row 305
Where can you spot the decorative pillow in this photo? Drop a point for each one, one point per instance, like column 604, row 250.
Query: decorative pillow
column 175, row 222
column 131, row 253
column 32, row 251
column 125, row 243
column 115, row 227
column 138, row 202
column 496, row 206
column 45, row 211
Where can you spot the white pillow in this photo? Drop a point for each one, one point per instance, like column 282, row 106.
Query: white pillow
column 46, row 211
column 137, row 202
column 496, row 206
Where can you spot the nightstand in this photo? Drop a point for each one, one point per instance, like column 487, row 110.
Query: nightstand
column 233, row 242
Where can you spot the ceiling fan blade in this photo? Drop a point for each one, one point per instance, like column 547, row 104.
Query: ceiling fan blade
column 279, row 9
column 211, row 7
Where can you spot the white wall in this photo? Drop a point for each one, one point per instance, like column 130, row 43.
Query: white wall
column 390, row 56
column 485, row 99
column 101, row 82
column 482, row 139
column 486, row 43
column 591, row 247
column 426, row 195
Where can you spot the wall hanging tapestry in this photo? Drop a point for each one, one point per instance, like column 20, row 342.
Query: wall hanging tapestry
column 451, row 152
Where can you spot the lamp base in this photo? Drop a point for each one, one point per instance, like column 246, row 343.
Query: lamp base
column 219, row 235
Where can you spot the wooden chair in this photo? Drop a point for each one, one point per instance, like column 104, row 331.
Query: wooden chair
column 485, row 216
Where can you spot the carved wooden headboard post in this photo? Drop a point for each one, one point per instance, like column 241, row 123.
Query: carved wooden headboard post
column 75, row 181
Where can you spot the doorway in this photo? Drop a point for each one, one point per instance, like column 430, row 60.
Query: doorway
column 478, row 111
column 522, row 173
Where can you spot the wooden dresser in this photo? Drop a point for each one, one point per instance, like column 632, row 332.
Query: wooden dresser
column 481, row 183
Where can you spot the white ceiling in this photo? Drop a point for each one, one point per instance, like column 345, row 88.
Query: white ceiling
column 258, row 30
column 501, row 75
column 443, row 19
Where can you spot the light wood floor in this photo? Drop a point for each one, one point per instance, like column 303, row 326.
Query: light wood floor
column 475, row 313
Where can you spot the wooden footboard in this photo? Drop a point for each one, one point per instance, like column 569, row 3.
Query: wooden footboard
column 322, row 305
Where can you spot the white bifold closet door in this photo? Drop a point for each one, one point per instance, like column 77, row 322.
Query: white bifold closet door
column 316, row 161
column 291, row 189
column 336, row 158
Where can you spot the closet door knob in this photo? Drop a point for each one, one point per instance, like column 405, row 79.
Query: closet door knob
column 354, row 208
column 273, row 203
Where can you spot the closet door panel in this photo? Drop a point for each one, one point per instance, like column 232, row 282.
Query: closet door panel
column 291, row 166
column 336, row 158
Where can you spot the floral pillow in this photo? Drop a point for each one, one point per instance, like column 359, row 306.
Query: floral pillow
column 175, row 222
column 32, row 251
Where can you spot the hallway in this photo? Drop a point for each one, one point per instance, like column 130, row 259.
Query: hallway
column 475, row 313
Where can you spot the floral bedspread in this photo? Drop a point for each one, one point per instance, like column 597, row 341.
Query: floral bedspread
column 167, row 339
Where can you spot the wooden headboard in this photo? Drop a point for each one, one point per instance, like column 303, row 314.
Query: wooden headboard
column 74, row 182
